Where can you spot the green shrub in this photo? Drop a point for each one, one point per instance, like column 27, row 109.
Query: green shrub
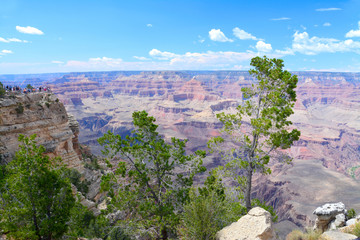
column 257, row 203
column 47, row 104
column 19, row 109
column 75, row 178
column 93, row 163
column 2, row 90
column 205, row 215
column 351, row 213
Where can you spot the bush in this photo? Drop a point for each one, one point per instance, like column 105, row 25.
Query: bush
column 205, row 214
column 351, row 213
column 257, row 203
column 75, row 178
column 47, row 104
column 2, row 90
column 19, row 109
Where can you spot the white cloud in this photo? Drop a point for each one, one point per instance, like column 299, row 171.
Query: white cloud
column 263, row 47
column 57, row 62
column 161, row 55
column 327, row 9
column 353, row 33
column 29, row 30
column 327, row 24
column 188, row 61
column 311, row 46
column 241, row 34
column 8, row 40
column 4, row 52
column 201, row 39
column 140, row 58
column 149, row 25
column 218, row 36
column 281, row 19
column 287, row 51
column 96, row 63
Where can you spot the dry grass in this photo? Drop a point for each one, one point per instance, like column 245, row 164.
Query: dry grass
column 308, row 235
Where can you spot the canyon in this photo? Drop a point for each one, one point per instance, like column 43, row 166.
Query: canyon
column 326, row 159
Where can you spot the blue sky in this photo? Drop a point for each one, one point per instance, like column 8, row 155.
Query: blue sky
column 39, row 36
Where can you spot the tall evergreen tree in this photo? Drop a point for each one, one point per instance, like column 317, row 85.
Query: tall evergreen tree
column 260, row 126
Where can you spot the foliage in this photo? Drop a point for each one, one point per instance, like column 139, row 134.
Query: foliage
column 310, row 234
column 28, row 86
column 75, row 178
column 351, row 213
column 203, row 216
column 2, row 90
column 259, row 126
column 208, row 211
column 19, row 109
column 83, row 223
column 257, row 203
column 35, row 200
column 93, row 164
column 153, row 178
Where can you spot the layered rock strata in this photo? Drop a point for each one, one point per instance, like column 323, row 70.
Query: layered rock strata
column 41, row 114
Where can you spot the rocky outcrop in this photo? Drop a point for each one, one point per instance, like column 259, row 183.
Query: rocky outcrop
column 41, row 114
column 330, row 215
column 255, row 225
column 336, row 235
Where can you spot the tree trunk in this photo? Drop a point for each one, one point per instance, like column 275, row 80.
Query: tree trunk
column 248, row 188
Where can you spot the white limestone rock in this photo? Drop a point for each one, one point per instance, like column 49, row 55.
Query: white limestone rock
column 327, row 213
column 257, row 225
column 336, row 235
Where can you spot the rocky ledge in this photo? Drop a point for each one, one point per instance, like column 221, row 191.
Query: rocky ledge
column 42, row 114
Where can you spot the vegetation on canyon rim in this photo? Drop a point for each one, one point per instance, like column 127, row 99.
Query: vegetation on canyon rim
column 259, row 127
column 152, row 181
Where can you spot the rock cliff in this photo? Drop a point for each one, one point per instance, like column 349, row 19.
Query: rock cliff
column 42, row 114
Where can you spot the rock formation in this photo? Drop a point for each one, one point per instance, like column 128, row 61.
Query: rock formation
column 41, row 114
column 256, row 225
column 330, row 216
column 336, row 235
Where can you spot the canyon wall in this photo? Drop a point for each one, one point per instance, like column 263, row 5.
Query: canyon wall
column 42, row 114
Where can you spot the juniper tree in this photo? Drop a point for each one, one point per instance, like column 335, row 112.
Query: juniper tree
column 153, row 178
column 35, row 199
column 260, row 125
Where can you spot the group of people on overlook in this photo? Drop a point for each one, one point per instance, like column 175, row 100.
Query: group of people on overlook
column 27, row 89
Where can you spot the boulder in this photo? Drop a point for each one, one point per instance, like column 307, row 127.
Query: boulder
column 327, row 214
column 336, row 235
column 351, row 221
column 257, row 225
column 339, row 221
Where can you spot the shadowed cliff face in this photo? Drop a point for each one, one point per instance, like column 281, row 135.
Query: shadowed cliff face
column 185, row 104
column 43, row 115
